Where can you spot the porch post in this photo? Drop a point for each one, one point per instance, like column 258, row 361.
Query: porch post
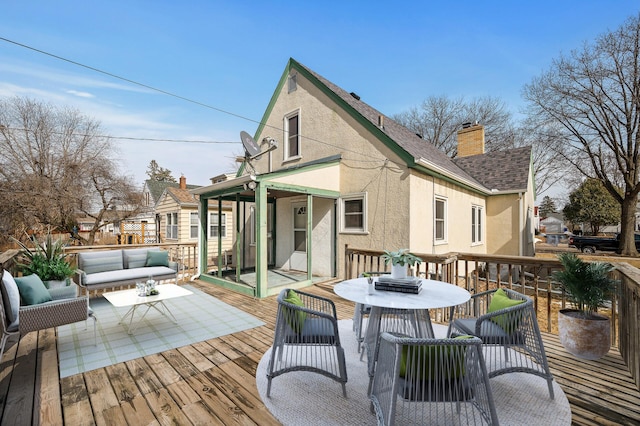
column 262, row 262
column 309, row 235
column 204, row 248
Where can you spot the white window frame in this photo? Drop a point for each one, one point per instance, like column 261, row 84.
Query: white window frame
column 287, row 155
column 193, row 225
column 477, row 224
column 443, row 220
column 343, row 213
column 213, row 225
column 171, row 231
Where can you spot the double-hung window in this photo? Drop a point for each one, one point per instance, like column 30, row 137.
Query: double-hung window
column 354, row 217
column 292, row 135
column 213, row 225
column 440, row 220
column 476, row 224
column 193, row 225
column 172, row 226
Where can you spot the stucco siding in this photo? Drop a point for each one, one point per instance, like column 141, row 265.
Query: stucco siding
column 502, row 223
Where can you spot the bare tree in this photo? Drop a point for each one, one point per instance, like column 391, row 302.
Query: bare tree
column 49, row 156
column 438, row 119
column 592, row 96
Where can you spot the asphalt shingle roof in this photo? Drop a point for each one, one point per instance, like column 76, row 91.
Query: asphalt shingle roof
column 501, row 170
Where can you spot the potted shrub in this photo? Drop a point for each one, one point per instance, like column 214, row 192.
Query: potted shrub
column 588, row 285
column 47, row 260
column 399, row 261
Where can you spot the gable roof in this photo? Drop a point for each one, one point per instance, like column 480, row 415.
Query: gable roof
column 414, row 150
column 156, row 188
column 501, row 170
column 182, row 196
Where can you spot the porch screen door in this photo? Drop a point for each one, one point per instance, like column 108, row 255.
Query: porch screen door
column 299, row 255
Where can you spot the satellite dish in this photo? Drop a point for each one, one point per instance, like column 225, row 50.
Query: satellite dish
column 251, row 147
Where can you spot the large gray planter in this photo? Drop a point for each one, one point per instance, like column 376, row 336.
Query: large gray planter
column 584, row 338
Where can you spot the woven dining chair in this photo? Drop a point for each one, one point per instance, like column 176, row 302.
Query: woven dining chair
column 432, row 381
column 306, row 338
column 506, row 322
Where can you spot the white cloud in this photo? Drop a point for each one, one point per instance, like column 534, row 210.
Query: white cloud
column 80, row 94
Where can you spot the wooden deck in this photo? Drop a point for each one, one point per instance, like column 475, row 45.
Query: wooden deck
column 213, row 382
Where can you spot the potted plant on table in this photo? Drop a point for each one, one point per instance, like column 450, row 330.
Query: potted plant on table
column 588, row 285
column 47, row 260
column 399, row 260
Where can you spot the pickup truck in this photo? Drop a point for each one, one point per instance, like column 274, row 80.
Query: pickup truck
column 591, row 244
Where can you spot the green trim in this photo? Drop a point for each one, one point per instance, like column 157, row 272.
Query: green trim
column 262, row 262
column 300, row 189
column 309, row 236
column 204, row 213
column 240, row 288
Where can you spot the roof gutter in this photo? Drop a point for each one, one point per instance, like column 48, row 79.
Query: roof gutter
column 226, row 184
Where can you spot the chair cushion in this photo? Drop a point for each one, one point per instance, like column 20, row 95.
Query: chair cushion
column 136, row 258
column 318, row 331
column 500, row 300
column 10, row 297
column 296, row 318
column 427, row 360
column 157, row 258
column 490, row 332
column 32, row 290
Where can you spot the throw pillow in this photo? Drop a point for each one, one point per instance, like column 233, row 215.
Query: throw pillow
column 32, row 290
column 157, row 258
column 10, row 297
column 425, row 360
column 296, row 318
column 501, row 300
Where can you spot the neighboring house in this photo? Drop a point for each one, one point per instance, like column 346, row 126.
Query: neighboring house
column 344, row 174
column 177, row 212
column 553, row 224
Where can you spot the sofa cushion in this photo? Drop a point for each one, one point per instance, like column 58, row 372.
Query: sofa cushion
column 136, row 258
column 10, row 297
column 157, row 258
column 32, row 290
column 103, row 261
column 129, row 275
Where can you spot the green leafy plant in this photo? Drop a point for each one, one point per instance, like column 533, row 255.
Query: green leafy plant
column 46, row 259
column 400, row 257
column 587, row 284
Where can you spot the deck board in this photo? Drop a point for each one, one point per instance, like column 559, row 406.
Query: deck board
column 213, row 382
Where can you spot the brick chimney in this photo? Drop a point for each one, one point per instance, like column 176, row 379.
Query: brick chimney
column 470, row 140
column 183, row 182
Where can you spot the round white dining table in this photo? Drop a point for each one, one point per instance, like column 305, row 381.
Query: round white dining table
column 393, row 311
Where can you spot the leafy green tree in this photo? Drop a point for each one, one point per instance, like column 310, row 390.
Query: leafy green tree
column 591, row 203
column 159, row 174
column 547, row 206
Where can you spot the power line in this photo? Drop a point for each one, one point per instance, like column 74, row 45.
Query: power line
column 175, row 96
column 146, row 86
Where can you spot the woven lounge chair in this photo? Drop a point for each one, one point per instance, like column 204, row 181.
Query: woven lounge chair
column 432, row 381
column 506, row 322
column 64, row 308
column 306, row 338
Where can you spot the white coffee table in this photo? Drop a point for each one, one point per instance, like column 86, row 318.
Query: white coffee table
column 124, row 298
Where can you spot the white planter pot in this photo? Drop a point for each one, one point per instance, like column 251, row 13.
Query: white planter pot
column 398, row 271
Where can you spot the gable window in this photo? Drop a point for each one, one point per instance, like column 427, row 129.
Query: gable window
column 292, row 135
column 476, row 224
column 440, row 219
column 213, row 225
column 193, row 225
column 172, row 226
column 354, row 218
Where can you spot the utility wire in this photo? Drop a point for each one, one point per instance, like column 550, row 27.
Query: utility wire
column 175, row 96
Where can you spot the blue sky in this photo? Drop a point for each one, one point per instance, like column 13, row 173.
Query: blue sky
column 230, row 56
